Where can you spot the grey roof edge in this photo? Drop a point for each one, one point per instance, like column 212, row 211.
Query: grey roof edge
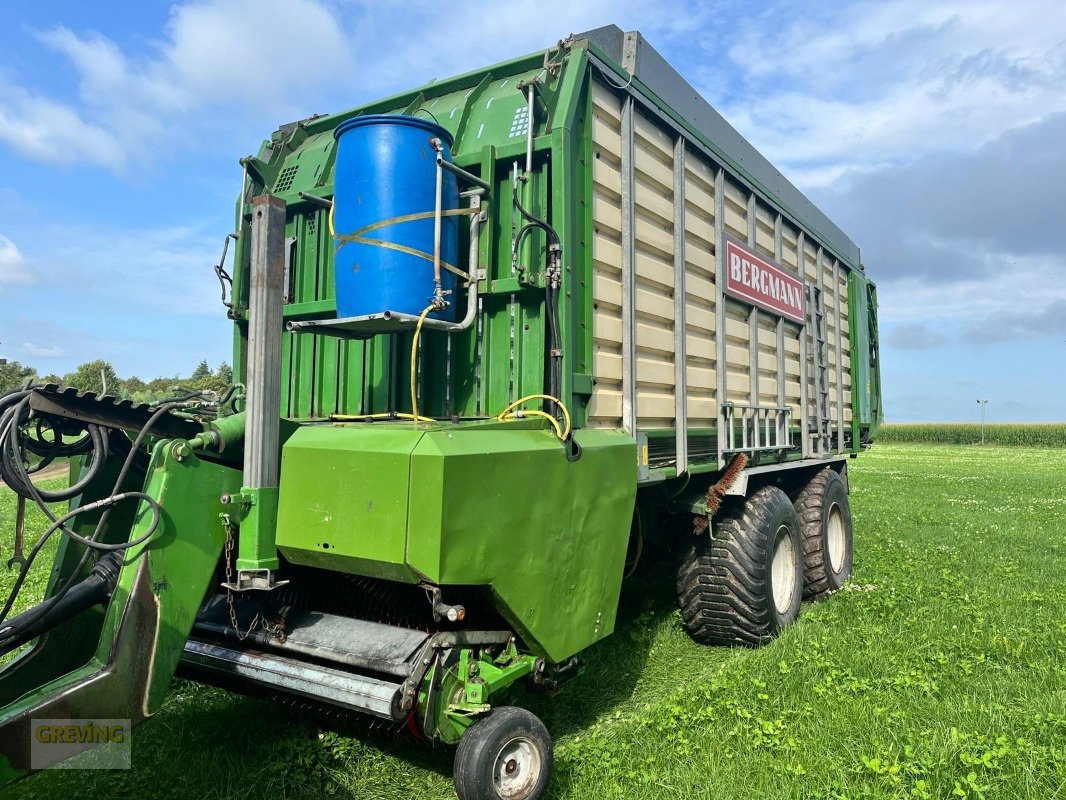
column 632, row 53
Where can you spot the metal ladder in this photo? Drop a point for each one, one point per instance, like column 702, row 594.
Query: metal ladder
column 819, row 337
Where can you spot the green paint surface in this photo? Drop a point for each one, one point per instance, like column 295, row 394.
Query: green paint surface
column 343, row 500
column 180, row 558
column 487, row 504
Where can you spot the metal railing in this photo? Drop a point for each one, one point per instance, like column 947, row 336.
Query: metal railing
column 756, row 428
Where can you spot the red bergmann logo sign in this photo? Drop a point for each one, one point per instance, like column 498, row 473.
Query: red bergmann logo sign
column 753, row 279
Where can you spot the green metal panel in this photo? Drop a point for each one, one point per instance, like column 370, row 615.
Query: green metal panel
column 484, row 504
column 343, row 499
column 321, row 376
column 140, row 637
column 867, row 410
column 504, row 507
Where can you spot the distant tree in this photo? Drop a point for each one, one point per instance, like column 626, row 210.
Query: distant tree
column 87, row 378
column 13, row 375
column 160, row 388
column 135, row 389
column 90, row 378
column 202, row 372
column 224, row 375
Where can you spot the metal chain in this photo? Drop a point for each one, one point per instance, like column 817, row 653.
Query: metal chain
column 275, row 628
column 227, row 523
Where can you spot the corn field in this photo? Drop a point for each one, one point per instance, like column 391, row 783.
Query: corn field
column 1005, row 435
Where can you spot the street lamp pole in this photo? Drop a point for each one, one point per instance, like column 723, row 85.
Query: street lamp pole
column 982, row 403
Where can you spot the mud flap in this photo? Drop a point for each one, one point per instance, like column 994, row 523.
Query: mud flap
column 147, row 621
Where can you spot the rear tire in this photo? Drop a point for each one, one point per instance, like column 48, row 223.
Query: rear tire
column 506, row 755
column 825, row 516
column 742, row 584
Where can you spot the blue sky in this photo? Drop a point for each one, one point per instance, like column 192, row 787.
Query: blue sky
column 930, row 131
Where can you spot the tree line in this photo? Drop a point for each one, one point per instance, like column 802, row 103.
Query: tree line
column 96, row 376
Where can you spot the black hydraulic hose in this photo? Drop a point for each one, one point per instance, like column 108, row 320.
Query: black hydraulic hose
column 95, row 589
column 60, row 523
column 553, row 235
column 57, row 447
column 551, row 297
column 14, row 471
column 91, row 542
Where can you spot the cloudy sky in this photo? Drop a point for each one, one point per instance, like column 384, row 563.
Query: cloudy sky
column 932, row 132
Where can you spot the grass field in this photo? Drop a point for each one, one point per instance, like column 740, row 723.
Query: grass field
column 940, row 672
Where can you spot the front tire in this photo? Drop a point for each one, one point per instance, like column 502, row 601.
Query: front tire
column 827, row 540
column 742, row 583
column 506, row 755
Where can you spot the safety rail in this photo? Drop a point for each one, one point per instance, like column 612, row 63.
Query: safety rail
column 760, row 428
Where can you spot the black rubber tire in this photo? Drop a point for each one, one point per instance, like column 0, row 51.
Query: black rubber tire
column 725, row 580
column 814, row 506
column 484, row 742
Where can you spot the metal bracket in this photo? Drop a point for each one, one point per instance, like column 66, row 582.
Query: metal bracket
column 254, row 580
column 242, row 503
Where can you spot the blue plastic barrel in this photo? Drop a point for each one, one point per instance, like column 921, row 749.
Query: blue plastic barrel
column 387, row 170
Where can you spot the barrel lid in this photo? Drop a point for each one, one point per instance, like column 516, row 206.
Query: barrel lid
column 394, row 119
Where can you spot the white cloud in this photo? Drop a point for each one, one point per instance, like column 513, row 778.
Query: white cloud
column 43, row 351
column 891, row 81
column 255, row 52
column 13, row 267
column 403, row 45
column 236, row 68
column 44, row 130
column 168, row 270
column 1032, row 283
column 222, row 64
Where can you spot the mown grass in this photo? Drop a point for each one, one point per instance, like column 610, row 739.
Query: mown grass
column 1051, row 434
column 940, row 672
column 36, row 523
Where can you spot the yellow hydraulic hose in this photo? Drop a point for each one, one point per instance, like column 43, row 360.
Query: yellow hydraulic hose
column 386, row 415
column 414, row 361
column 562, row 433
column 529, row 412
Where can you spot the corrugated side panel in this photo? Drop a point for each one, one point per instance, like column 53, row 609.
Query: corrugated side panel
column 701, row 360
column 793, row 332
column 605, row 407
column 777, row 372
column 653, row 162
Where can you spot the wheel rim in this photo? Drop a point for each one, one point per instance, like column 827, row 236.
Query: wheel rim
column 834, row 537
column 783, row 570
column 517, row 769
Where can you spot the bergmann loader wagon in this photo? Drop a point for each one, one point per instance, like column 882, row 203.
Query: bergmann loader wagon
column 491, row 335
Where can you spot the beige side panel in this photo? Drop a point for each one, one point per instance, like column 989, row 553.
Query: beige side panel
column 737, row 354
column 793, row 369
column 736, row 211
column 654, row 233
column 654, row 285
column 845, row 342
column 789, row 244
column 767, row 360
column 605, row 406
column 700, row 351
column 764, row 230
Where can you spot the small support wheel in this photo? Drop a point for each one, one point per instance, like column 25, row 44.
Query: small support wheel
column 506, row 755
column 825, row 517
